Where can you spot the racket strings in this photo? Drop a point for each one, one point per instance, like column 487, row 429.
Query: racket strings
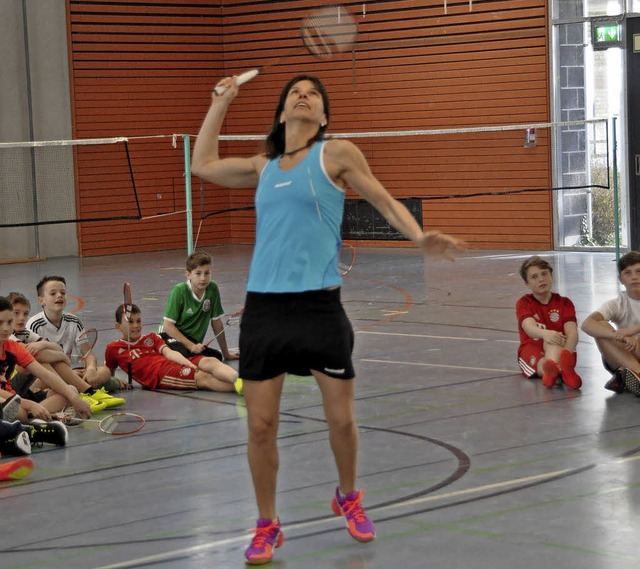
column 121, row 424
column 83, row 345
column 328, row 31
column 234, row 319
column 127, row 301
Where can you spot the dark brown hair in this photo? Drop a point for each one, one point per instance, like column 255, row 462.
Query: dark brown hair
column 48, row 279
column 120, row 312
column 628, row 259
column 198, row 259
column 276, row 138
column 534, row 261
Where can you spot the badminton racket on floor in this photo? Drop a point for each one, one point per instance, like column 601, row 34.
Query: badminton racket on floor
column 83, row 344
column 122, row 423
column 325, row 32
column 127, row 309
column 346, row 258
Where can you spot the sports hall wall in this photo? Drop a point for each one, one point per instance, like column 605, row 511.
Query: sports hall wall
column 34, row 103
column 142, row 69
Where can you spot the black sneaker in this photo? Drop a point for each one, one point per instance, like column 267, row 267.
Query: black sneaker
column 9, row 430
column 20, row 446
column 53, row 433
column 616, row 383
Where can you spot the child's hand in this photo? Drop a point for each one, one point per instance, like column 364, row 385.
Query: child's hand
column 82, row 408
column 124, row 384
column 555, row 338
column 34, row 347
column 92, row 377
column 621, row 333
column 36, row 411
column 197, row 348
column 631, row 344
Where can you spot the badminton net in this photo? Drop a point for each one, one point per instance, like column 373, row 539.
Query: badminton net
column 67, row 181
column 490, row 185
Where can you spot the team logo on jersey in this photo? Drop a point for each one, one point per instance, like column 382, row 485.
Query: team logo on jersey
column 206, row 305
column 148, row 342
column 185, row 371
column 554, row 315
column 532, row 361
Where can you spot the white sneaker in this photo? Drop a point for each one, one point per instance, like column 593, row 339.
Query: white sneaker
column 22, row 444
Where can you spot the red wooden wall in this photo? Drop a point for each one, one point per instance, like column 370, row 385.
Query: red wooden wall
column 147, row 68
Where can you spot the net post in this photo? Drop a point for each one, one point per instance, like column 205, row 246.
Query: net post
column 616, row 217
column 187, row 187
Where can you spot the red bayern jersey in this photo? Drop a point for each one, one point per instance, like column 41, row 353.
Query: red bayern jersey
column 550, row 316
column 148, row 365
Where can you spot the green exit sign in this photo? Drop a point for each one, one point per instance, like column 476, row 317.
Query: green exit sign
column 606, row 33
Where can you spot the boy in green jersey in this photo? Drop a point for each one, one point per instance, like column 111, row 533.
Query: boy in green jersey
column 191, row 306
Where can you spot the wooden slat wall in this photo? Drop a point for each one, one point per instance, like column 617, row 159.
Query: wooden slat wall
column 146, row 68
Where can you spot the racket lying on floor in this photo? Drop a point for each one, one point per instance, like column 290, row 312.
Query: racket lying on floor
column 127, row 309
column 122, row 423
column 84, row 343
column 325, row 32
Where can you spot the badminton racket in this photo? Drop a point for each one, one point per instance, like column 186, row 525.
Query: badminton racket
column 325, row 32
column 346, row 258
column 84, row 343
column 127, row 309
column 232, row 320
column 122, row 423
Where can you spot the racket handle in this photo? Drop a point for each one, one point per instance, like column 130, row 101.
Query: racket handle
column 129, row 374
column 240, row 80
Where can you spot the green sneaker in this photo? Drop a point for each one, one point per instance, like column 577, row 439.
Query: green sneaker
column 101, row 396
column 95, row 405
column 238, row 386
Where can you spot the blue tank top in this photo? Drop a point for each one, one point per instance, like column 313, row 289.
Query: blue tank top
column 299, row 214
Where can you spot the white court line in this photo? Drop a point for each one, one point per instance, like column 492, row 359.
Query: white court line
column 424, row 336
column 190, row 551
column 448, row 366
column 505, row 256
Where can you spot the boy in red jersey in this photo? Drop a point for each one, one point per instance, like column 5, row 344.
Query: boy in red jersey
column 156, row 366
column 548, row 328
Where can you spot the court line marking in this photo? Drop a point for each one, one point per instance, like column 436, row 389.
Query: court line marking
column 190, row 551
column 438, row 337
column 448, row 366
column 423, row 336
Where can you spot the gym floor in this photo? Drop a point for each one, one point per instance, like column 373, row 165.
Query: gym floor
column 464, row 462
